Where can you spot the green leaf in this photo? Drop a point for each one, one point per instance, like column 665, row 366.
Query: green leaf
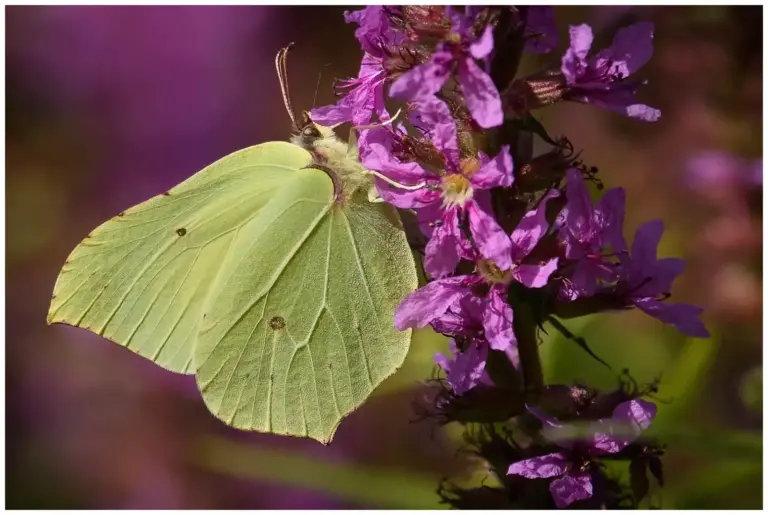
column 581, row 342
column 529, row 123
column 643, row 349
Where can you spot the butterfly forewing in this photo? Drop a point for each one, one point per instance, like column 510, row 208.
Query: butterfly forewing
column 141, row 279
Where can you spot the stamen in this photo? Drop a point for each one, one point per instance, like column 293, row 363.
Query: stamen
column 456, row 190
column 492, row 273
column 394, row 183
column 382, row 124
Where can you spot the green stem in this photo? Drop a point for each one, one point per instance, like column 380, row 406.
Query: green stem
column 525, row 328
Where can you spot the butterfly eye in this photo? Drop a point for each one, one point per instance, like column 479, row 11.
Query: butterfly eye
column 310, row 132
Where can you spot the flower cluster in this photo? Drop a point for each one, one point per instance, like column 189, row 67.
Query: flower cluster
column 513, row 240
column 580, row 445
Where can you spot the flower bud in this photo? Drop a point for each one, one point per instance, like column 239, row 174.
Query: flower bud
column 539, row 90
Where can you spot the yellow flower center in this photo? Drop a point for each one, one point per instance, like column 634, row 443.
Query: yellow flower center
column 492, row 273
column 456, row 190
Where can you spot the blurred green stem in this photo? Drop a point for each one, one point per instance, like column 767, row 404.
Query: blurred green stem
column 369, row 486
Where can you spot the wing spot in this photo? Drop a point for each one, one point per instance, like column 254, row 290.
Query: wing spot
column 181, row 231
column 121, row 213
column 277, row 323
column 167, row 193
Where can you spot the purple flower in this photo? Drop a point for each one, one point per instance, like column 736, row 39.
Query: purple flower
column 364, row 96
column 464, row 322
column 585, row 231
column 540, row 29
column 445, row 199
column 464, row 370
column 375, row 27
column 604, row 79
column 456, row 56
column 605, row 436
column 455, row 299
column 459, row 304
column 647, row 280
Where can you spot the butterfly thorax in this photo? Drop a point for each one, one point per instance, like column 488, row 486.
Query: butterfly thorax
column 338, row 158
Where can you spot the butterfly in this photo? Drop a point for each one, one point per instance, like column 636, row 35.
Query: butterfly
column 272, row 275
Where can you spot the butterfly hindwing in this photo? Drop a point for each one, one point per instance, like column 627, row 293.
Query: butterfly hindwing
column 301, row 332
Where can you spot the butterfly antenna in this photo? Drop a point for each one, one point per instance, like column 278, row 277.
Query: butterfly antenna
column 282, row 76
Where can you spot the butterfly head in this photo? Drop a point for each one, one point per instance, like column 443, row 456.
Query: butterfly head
column 308, row 133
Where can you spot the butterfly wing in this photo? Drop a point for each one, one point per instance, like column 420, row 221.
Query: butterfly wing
column 301, row 330
column 142, row 278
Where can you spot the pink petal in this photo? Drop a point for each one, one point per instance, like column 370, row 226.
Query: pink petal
column 468, row 369
column 632, row 47
column 376, row 154
column 434, row 116
column 429, row 302
column 573, row 61
column 480, row 94
column 484, row 46
column 531, row 228
column 646, row 241
column 642, row 112
column 424, row 80
column 333, row 114
column 443, row 361
column 684, row 317
column 638, row 413
column 443, row 251
column 489, row 237
column 428, row 215
column 535, row 276
column 578, row 219
column 495, row 173
column 406, row 199
column 610, row 214
column 571, row 488
column 628, row 421
column 549, row 465
column 581, row 40
column 662, row 273
column 497, row 320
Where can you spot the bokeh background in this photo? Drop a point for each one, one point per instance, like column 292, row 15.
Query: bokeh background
column 107, row 106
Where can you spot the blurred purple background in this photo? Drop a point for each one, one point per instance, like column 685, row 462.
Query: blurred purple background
column 108, row 106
